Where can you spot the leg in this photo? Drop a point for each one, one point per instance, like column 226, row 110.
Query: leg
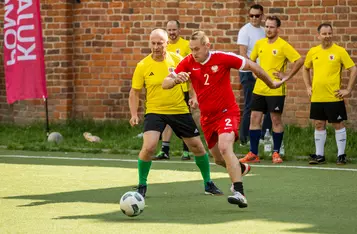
column 248, row 86
column 225, row 149
column 266, row 125
column 278, row 133
column 341, row 138
column 202, row 161
column 150, row 141
column 219, row 160
column 165, row 147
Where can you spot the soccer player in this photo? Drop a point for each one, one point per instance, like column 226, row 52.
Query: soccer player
column 209, row 73
column 179, row 46
column 327, row 104
column 247, row 37
column 164, row 107
column 273, row 53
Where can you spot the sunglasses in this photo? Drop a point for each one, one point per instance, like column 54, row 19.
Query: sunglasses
column 255, row 16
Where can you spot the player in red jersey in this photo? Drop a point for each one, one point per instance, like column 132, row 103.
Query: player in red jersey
column 209, row 73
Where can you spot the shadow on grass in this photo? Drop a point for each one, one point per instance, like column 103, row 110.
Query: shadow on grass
column 275, row 199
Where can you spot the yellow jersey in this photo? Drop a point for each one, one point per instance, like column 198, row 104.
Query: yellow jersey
column 273, row 57
column 150, row 74
column 181, row 47
column 327, row 65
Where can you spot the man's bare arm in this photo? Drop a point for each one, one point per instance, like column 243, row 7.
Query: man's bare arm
column 259, row 72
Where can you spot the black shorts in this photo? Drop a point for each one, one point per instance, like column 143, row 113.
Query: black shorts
column 182, row 124
column 268, row 104
column 333, row 112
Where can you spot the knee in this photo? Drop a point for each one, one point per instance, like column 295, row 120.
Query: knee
column 148, row 150
column 197, row 148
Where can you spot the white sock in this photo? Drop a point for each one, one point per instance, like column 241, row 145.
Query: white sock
column 320, row 139
column 341, row 138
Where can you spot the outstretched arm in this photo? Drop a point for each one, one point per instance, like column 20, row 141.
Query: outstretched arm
column 259, row 72
column 173, row 79
column 285, row 77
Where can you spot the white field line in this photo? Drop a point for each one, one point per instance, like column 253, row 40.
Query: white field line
column 171, row 162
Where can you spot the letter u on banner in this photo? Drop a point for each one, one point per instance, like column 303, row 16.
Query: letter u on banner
column 23, row 51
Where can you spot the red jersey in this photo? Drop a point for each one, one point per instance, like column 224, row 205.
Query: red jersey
column 211, row 81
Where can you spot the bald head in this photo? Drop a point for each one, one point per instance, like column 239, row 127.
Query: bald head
column 159, row 33
column 158, row 44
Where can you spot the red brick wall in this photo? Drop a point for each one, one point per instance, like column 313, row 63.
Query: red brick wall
column 92, row 49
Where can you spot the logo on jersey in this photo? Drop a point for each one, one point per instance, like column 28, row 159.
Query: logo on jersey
column 339, row 117
column 331, row 57
column 214, row 68
column 275, row 52
column 151, row 74
column 171, row 69
column 177, row 51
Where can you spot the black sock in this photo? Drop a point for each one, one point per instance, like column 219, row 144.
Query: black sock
column 238, row 186
column 242, row 166
column 165, row 147
column 184, row 146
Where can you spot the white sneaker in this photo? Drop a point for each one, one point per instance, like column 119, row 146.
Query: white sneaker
column 238, row 199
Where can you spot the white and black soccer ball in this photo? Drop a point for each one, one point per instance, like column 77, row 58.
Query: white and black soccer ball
column 55, row 137
column 132, row 203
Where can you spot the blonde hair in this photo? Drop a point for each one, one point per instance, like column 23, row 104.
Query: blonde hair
column 200, row 35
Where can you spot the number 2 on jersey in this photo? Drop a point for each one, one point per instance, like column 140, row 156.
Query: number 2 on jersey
column 228, row 122
column 207, row 77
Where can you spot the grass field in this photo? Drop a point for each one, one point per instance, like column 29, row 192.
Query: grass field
column 53, row 192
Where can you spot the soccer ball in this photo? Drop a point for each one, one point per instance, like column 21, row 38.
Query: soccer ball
column 55, row 137
column 132, row 204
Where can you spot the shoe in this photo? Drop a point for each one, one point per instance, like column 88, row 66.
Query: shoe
column 247, row 169
column 238, row 199
column 275, row 158
column 250, row 158
column 185, row 156
column 316, row 159
column 211, row 189
column 341, row 159
column 142, row 189
column 161, row 156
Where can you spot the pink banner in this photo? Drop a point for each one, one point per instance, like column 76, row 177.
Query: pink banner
column 23, row 51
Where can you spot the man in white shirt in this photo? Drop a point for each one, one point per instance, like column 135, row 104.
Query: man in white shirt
column 247, row 36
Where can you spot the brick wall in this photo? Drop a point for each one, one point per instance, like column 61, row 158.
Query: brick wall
column 92, row 49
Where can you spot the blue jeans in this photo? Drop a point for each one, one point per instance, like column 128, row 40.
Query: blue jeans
column 248, row 81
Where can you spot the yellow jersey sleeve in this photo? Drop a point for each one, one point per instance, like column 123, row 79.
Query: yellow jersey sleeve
column 254, row 53
column 138, row 77
column 346, row 59
column 291, row 54
column 308, row 59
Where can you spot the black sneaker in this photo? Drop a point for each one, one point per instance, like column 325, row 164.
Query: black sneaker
column 316, row 159
column 341, row 159
column 185, row 156
column 211, row 189
column 161, row 156
column 142, row 189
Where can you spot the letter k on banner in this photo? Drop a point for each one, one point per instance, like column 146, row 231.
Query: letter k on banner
column 23, row 51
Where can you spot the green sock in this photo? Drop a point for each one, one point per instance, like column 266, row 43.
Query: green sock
column 203, row 164
column 143, row 169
